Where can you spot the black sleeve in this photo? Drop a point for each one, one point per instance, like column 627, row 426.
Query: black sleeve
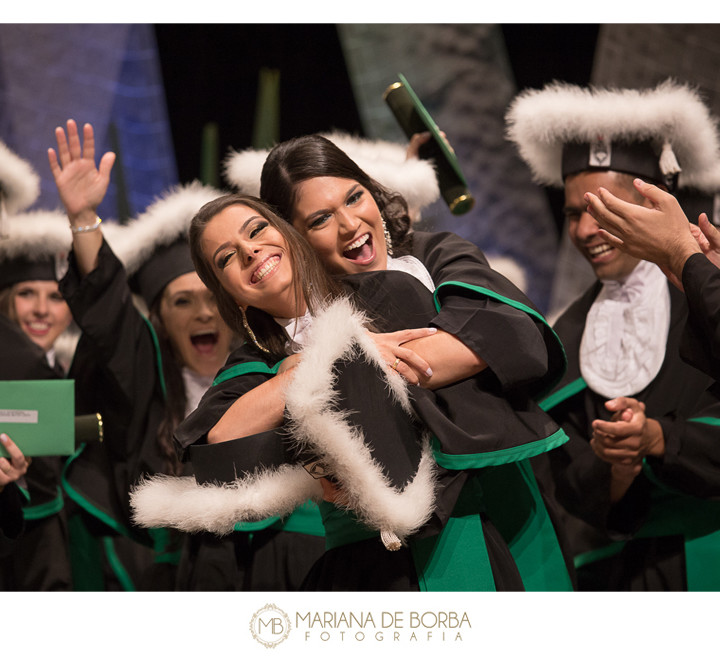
column 221, row 395
column 691, row 463
column 701, row 341
column 116, row 337
column 488, row 313
column 11, row 518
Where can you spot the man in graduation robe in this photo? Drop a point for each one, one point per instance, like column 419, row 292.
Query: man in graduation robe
column 639, row 476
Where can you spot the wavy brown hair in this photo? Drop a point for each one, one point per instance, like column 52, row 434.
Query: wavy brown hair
column 312, row 284
column 313, row 156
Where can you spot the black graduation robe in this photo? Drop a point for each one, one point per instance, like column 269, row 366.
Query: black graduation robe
column 486, row 427
column 39, row 560
column 651, row 538
column 117, row 373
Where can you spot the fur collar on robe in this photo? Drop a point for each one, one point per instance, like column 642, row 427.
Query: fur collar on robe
column 337, row 333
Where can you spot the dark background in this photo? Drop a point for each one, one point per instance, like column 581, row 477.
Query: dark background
column 202, row 85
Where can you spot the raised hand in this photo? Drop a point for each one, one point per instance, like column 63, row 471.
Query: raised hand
column 80, row 183
column 658, row 231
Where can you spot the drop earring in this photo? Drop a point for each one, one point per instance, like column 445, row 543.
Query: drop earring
column 250, row 332
column 388, row 239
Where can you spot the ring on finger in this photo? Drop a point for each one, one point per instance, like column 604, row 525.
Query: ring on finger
column 395, row 365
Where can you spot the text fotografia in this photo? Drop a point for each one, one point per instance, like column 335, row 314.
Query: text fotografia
column 443, row 626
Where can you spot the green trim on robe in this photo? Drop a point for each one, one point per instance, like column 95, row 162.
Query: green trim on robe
column 305, row 520
column 517, row 509
column 116, row 565
column 90, row 508
column 497, row 457
column 597, row 554
column 249, row 367
column 510, row 302
column 456, row 560
column 697, row 520
column 35, row 512
column 706, row 420
column 341, row 526
column 158, row 356
column 567, row 391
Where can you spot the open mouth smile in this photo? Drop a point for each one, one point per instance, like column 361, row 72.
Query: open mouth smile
column 361, row 250
column 205, row 342
column 600, row 250
column 37, row 328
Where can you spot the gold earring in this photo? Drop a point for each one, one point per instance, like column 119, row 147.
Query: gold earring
column 250, row 332
column 388, row 239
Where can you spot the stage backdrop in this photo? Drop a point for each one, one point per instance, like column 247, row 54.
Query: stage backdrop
column 107, row 75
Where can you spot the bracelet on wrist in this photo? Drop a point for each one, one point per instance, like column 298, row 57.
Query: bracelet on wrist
column 88, row 228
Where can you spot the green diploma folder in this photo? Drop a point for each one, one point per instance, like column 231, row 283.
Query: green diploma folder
column 39, row 416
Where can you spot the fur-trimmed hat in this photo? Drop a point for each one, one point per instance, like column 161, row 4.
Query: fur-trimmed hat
column 34, row 247
column 385, row 162
column 153, row 247
column 19, row 184
column 665, row 134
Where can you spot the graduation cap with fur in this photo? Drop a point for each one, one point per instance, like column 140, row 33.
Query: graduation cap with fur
column 153, row 247
column 383, row 161
column 33, row 245
column 664, row 134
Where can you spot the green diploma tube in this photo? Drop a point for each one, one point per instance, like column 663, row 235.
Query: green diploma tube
column 413, row 118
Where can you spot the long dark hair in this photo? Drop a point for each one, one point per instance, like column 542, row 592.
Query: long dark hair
column 314, row 156
column 313, row 285
column 176, row 397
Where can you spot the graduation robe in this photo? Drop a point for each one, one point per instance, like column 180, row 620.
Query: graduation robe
column 117, row 373
column 652, row 538
column 500, row 430
column 39, row 559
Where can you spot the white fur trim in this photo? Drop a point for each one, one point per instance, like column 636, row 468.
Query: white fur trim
column 383, row 161
column 18, row 180
column 36, row 234
column 338, row 332
column 182, row 503
column 165, row 220
column 539, row 122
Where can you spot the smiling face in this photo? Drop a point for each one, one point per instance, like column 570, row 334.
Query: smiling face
column 342, row 222
column 251, row 260
column 609, row 263
column 41, row 311
column 199, row 336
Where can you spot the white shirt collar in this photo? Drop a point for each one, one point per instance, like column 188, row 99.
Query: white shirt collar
column 195, row 387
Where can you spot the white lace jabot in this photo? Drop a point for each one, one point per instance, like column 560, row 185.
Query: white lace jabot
column 623, row 345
